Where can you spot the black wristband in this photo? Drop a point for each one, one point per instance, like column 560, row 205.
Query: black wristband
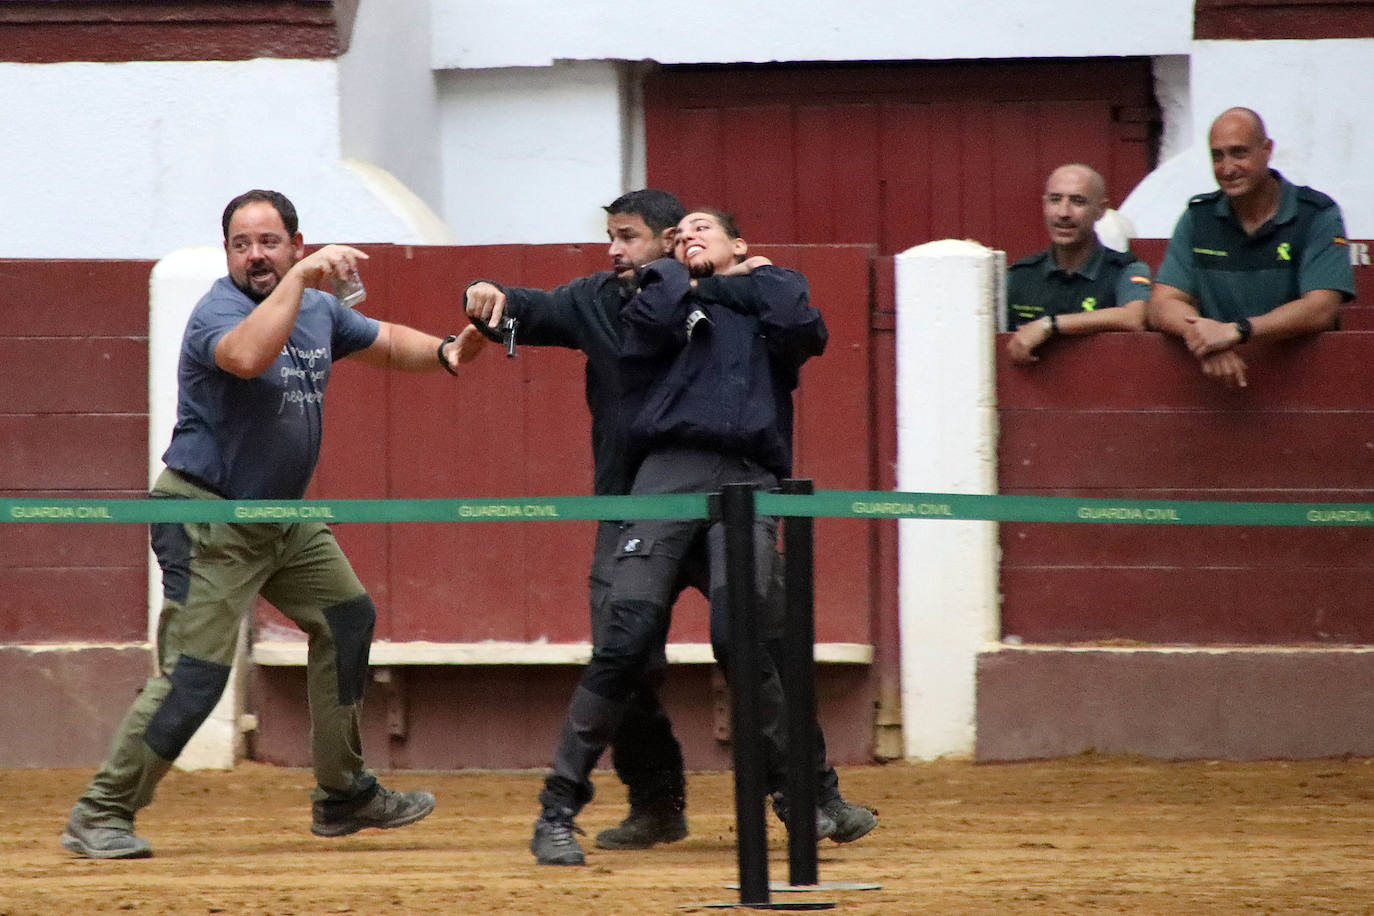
column 440, row 353
column 1243, row 326
column 1054, row 325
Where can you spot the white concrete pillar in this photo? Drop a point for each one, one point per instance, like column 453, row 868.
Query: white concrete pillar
column 176, row 285
column 947, row 299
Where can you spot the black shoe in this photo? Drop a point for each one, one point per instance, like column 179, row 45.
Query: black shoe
column 851, row 821
column 554, row 841
column 645, row 827
column 93, row 842
column 825, row 827
column 384, row 810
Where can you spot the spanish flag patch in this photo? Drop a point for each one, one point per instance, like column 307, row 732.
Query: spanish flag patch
column 1145, row 280
column 1340, row 241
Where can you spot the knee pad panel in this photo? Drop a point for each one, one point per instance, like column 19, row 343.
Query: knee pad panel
column 351, row 624
column 172, row 545
column 196, row 688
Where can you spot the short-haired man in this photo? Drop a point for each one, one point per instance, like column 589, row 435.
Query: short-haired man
column 584, row 315
column 1078, row 285
column 1258, row 258
column 257, row 353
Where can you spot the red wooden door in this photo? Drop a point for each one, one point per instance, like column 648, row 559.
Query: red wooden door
column 895, row 155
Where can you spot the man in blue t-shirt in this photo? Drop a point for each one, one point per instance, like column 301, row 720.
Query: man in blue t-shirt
column 1259, row 257
column 256, row 356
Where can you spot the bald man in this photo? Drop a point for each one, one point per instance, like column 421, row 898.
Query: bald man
column 1078, row 285
column 1259, row 258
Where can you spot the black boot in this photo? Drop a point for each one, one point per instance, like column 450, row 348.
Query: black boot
column 645, row 826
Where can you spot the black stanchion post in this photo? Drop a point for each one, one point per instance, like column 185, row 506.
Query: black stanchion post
column 799, row 683
column 737, row 515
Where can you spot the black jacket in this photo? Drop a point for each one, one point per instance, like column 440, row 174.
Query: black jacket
column 728, row 387
column 584, row 315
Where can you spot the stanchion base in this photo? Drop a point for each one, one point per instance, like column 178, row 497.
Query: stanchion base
column 772, row 905
column 785, row 888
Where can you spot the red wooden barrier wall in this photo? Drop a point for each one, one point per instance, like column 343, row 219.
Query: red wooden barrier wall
column 1129, row 415
column 73, row 423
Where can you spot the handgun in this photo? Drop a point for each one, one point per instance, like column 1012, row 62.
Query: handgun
column 503, row 333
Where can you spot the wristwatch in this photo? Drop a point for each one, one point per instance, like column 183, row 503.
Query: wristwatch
column 440, row 353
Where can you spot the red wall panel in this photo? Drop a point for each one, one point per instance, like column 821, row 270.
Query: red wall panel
column 1130, row 415
column 54, row 451
column 74, row 298
column 81, row 603
column 76, row 375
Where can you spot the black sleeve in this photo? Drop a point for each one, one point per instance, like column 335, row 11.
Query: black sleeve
column 781, row 300
column 553, row 317
column 654, row 320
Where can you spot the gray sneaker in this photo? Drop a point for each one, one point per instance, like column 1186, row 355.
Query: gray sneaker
column 384, row 810
column 825, row 827
column 851, row 821
column 644, row 827
column 86, row 839
column 554, row 841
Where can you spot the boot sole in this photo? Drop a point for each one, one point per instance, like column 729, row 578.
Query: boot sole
column 563, row 860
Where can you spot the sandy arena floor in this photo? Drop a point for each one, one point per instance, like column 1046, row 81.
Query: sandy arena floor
column 1086, row 835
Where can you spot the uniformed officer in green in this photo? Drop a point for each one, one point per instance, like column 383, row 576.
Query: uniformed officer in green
column 1261, row 257
column 1078, row 285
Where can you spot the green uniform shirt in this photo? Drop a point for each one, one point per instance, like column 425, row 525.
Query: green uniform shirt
column 1037, row 287
column 1234, row 275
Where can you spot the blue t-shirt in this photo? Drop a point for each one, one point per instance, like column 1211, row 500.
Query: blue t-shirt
column 258, row 438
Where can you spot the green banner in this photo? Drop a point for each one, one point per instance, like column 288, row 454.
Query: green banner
column 824, row 503
column 965, row 507
column 513, row 509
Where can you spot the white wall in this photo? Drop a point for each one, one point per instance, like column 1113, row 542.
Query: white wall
column 1315, row 101
column 531, row 154
column 133, row 160
column 389, row 100
column 525, row 33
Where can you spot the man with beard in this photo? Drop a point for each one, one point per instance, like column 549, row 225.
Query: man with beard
column 681, row 337
column 584, row 315
column 1259, row 257
column 1077, row 286
column 255, row 358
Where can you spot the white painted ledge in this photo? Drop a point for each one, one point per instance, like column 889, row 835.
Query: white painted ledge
column 287, row 653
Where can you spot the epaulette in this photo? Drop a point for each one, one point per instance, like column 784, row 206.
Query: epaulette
column 1031, row 259
column 1119, row 258
column 1209, row 197
column 1315, row 198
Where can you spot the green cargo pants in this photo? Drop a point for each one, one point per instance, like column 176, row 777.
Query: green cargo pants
column 211, row 574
